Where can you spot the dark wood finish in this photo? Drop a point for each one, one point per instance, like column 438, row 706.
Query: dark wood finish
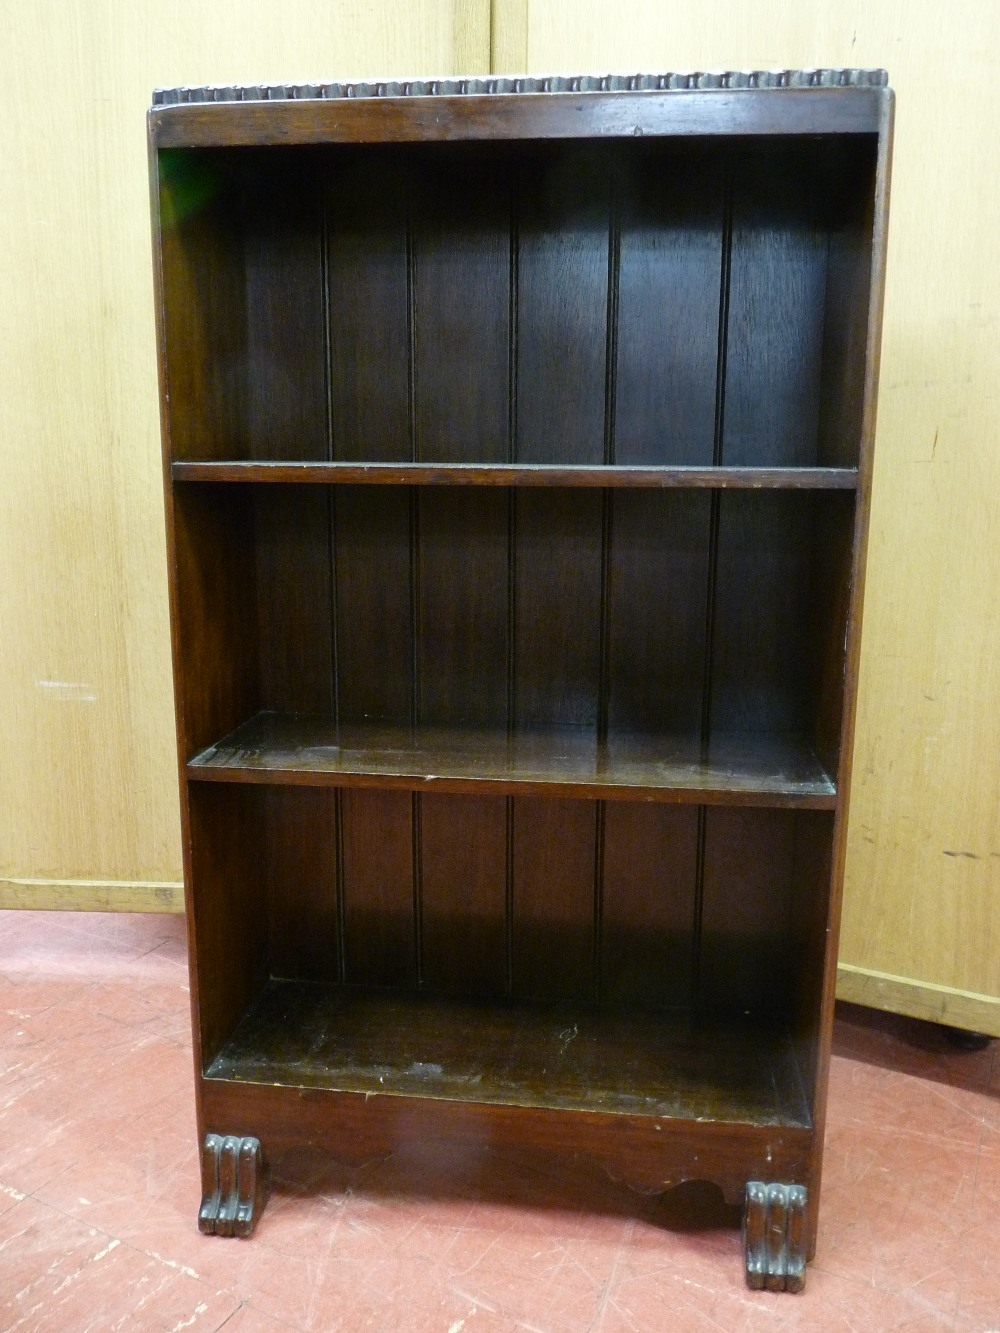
column 460, row 318
column 377, row 886
column 463, row 586
column 646, row 1152
column 463, row 894
column 683, row 111
column 554, row 907
column 658, row 581
column 534, row 474
column 648, row 899
column 556, row 672
column 295, row 631
column 302, row 883
column 517, row 445
column 672, row 245
column 740, row 768
column 234, row 1185
column 367, row 247
column 775, row 1236
column 546, row 1056
column 227, row 907
column 501, row 85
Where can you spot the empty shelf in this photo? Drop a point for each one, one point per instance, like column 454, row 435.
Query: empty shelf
column 741, row 768
column 340, row 1039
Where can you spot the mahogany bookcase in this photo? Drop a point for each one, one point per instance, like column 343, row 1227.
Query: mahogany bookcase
column 518, row 444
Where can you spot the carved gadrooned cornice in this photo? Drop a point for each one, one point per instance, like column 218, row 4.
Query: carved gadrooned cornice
column 505, row 86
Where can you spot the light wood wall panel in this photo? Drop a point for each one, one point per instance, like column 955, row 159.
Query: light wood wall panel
column 921, row 930
column 87, row 770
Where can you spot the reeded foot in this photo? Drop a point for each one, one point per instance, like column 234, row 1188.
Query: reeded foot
column 774, row 1236
column 234, row 1185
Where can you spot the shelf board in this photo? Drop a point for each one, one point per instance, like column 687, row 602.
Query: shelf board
column 518, row 474
column 344, row 1039
column 739, row 769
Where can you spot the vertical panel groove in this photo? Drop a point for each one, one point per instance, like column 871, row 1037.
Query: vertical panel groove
column 511, row 610
column 514, row 278
column 509, row 912
column 415, row 679
column 338, row 809
column 418, row 952
column 699, row 902
column 604, row 611
column 614, row 268
column 725, row 268
column 512, row 354
column 411, row 406
column 610, row 392
column 599, row 816
column 331, row 504
column 723, row 344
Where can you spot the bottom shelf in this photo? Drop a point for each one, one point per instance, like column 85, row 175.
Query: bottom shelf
column 339, row 1038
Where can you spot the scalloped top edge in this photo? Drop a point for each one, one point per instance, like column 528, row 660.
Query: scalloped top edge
column 500, row 85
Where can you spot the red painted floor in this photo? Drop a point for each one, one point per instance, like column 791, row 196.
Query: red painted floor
column 99, row 1190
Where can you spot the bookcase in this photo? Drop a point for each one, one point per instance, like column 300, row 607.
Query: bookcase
column 517, row 451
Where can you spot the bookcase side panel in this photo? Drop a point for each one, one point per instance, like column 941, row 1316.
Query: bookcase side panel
column 204, row 304
column 228, row 905
column 216, row 661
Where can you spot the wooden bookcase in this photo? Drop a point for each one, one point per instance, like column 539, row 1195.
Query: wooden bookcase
column 517, row 443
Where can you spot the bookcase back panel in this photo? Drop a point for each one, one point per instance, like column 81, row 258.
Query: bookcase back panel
column 618, row 905
column 463, row 881
column 369, row 302
column 370, row 542
column 648, row 904
column 284, row 397
column 580, row 302
column 671, row 285
column 377, row 888
column 659, row 576
column 558, row 548
column 683, row 614
column 562, row 235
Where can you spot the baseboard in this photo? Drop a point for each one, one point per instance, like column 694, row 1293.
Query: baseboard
column 919, row 999
column 91, row 895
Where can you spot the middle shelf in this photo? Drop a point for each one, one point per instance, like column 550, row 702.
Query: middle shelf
column 615, row 476
column 743, row 768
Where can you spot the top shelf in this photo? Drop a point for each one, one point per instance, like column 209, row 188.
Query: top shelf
column 519, row 474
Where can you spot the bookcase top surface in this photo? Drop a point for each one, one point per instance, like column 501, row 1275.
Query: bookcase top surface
column 788, row 101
